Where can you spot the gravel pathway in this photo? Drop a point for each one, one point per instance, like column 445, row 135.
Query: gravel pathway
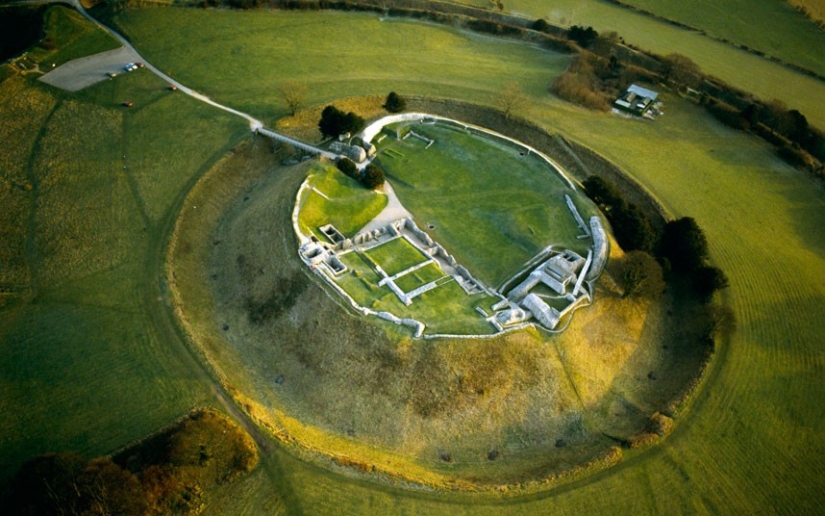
column 81, row 73
column 392, row 212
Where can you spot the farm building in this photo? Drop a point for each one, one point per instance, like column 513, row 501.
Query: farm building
column 636, row 100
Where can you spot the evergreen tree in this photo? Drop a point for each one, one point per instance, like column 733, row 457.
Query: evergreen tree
column 395, row 103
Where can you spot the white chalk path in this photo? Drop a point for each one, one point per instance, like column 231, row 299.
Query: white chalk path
column 392, row 212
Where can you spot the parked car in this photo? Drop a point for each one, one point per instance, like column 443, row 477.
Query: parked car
column 127, row 103
column 172, row 87
column 130, row 67
column 112, row 74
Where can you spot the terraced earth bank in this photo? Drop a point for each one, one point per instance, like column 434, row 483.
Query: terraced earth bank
column 460, row 413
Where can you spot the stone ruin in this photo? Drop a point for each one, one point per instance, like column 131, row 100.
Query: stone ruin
column 563, row 273
column 316, row 254
column 353, row 152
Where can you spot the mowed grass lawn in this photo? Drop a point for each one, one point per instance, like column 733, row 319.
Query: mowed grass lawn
column 395, row 256
column 90, row 358
column 258, row 50
column 489, row 205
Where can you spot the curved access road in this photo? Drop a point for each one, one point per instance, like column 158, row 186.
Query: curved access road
column 254, row 123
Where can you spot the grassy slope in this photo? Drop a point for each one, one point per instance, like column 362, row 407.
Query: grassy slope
column 752, row 440
column 359, row 51
column 771, row 26
column 90, row 358
column 74, row 37
column 347, row 206
column 751, row 73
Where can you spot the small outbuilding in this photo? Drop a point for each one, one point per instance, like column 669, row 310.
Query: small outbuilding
column 636, row 100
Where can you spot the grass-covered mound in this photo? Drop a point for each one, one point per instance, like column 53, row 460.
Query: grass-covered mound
column 334, row 198
column 444, row 412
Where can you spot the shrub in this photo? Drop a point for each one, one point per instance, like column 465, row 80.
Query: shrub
column 583, row 36
column 727, row 114
column 632, row 228
column 659, row 424
column 347, row 166
column 579, row 84
column 66, row 483
column 334, row 122
column 540, row 25
column 395, row 103
column 601, row 192
column 373, row 177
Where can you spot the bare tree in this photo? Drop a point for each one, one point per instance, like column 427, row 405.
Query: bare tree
column 511, row 98
column 294, row 94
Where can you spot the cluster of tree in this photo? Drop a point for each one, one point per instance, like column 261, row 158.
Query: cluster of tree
column 580, row 84
column 371, row 177
column 585, row 37
column 680, row 248
column 20, row 28
column 787, row 129
column 395, row 103
column 165, row 474
column 334, row 122
column 684, row 247
column 631, row 226
column 597, row 77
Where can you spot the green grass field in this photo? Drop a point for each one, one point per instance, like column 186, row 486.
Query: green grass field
column 72, row 35
column 91, row 358
column 491, row 206
column 750, row 441
column 773, row 27
column 396, row 256
column 257, row 50
column 419, row 277
column 337, row 199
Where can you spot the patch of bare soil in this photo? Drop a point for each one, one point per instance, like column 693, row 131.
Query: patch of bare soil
column 492, row 411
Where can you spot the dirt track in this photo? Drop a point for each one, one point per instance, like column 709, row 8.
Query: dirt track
column 80, row 73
